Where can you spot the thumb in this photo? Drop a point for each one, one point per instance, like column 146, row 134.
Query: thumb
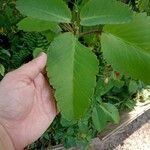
column 34, row 67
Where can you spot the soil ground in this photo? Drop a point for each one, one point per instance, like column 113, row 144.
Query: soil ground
column 139, row 140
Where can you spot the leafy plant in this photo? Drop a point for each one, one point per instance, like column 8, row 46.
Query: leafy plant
column 124, row 43
column 7, row 13
column 104, row 113
column 144, row 6
column 2, row 70
column 81, row 39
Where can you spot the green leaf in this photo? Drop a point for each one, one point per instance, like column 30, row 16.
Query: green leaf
column 102, row 87
column 118, row 83
column 129, row 104
column 2, row 70
column 103, row 113
column 31, row 24
column 50, row 35
column 127, row 47
column 82, row 3
column 143, row 4
column 133, row 87
column 5, row 52
column 99, row 118
column 48, row 10
column 46, row 136
column 97, row 12
column 111, row 111
column 66, row 123
column 37, row 51
column 73, row 76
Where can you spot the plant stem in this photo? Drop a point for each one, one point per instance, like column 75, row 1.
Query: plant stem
column 76, row 21
column 66, row 27
column 97, row 31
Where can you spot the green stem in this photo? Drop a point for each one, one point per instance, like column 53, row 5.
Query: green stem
column 66, row 27
column 90, row 32
column 76, row 21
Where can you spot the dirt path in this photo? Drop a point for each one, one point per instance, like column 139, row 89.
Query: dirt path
column 139, row 140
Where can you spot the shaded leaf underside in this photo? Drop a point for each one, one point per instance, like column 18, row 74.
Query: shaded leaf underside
column 127, row 47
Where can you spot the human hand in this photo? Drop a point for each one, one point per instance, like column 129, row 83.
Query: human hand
column 27, row 104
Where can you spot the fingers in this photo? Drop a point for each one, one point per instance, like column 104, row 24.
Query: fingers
column 47, row 94
column 34, row 67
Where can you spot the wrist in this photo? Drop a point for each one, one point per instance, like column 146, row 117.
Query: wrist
column 5, row 140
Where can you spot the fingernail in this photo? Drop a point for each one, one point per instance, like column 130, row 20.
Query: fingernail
column 41, row 54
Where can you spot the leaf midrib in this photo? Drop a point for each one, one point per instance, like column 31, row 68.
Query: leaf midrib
column 96, row 17
column 75, row 42
column 73, row 64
